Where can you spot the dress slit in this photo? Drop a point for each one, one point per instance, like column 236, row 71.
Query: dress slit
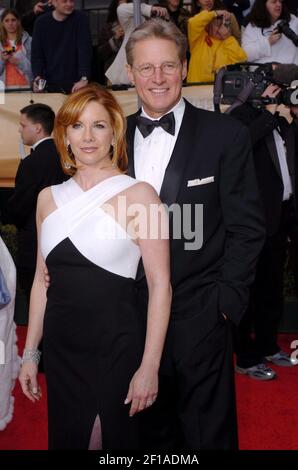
column 95, row 442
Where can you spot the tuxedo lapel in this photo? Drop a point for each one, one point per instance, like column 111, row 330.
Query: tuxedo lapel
column 183, row 149
column 130, row 137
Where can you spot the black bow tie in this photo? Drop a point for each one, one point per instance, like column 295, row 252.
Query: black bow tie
column 146, row 126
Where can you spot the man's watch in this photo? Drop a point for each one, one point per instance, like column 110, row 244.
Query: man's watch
column 84, row 78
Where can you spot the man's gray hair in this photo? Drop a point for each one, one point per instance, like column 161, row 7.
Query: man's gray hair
column 157, row 28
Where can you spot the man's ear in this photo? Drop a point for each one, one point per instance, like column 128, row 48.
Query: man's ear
column 184, row 69
column 130, row 73
column 38, row 128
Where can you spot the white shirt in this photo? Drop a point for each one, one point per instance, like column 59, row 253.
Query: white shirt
column 282, row 157
column 152, row 154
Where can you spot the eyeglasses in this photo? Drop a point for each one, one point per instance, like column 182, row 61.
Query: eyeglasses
column 147, row 70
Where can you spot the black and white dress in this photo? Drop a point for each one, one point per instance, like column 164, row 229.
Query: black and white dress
column 92, row 340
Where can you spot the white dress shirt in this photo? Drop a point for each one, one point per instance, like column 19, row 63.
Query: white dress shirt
column 282, row 157
column 152, row 154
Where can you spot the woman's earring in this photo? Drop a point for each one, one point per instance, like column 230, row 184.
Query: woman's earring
column 67, row 165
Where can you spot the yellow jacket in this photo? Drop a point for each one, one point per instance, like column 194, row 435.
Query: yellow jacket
column 208, row 54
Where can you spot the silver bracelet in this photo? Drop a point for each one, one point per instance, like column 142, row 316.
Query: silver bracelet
column 31, row 355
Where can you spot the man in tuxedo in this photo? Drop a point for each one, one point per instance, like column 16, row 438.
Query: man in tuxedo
column 194, row 159
column 39, row 169
column 273, row 140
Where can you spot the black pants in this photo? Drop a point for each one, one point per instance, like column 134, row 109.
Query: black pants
column 195, row 408
column 266, row 301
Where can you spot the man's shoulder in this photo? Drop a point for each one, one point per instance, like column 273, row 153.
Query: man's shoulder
column 78, row 16
column 210, row 119
column 43, row 20
column 44, row 150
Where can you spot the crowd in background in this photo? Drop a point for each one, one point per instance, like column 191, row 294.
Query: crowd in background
column 47, row 45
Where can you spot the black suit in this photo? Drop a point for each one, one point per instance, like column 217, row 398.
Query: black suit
column 266, row 306
column 40, row 169
column 209, row 280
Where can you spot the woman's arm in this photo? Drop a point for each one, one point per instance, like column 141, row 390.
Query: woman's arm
column 197, row 25
column 28, row 374
column 154, row 245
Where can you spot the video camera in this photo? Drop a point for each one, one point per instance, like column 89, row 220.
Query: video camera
column 236, row 84
column 284, row 28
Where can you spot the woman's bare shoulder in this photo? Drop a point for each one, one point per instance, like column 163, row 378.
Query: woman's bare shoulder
column 45, row 202
column 143, row 192
column 44, row 196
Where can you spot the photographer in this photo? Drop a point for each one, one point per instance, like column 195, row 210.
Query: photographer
column 264, row 40
column 211, row 45
column 273, row 142
column 177, row 14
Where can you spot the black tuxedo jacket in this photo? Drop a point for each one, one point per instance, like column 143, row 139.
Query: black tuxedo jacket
column 217, row 276
column 40, row 169
column 261, row 125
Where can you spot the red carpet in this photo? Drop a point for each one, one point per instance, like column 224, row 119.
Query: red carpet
column 267, row 412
